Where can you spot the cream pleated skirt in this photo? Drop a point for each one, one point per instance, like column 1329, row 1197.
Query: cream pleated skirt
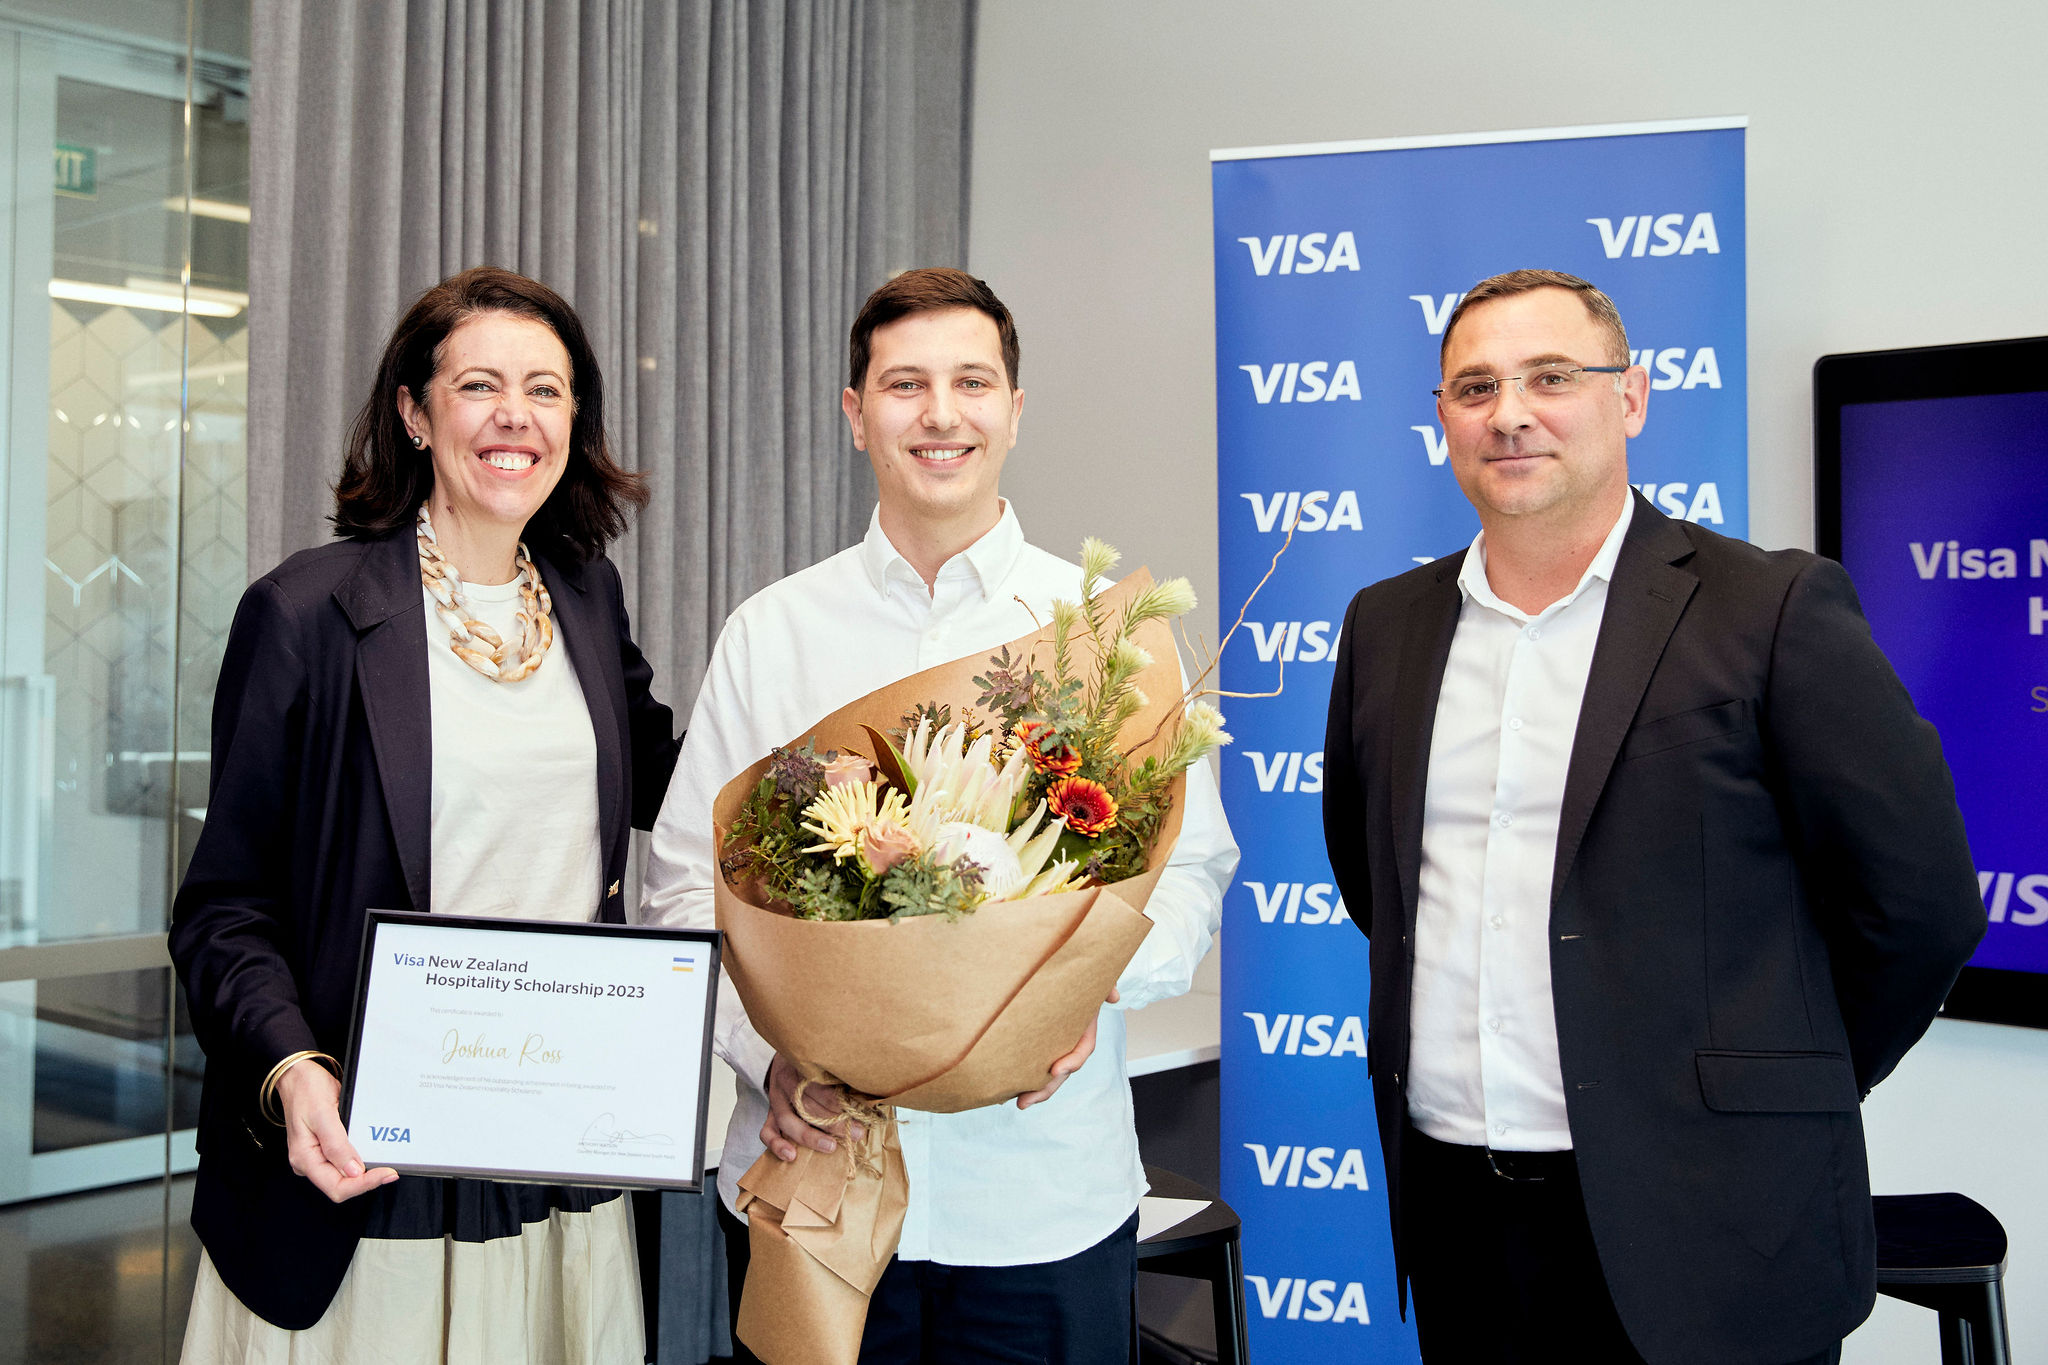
column 561, row 1290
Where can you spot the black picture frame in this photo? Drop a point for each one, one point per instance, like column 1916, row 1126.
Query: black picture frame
column 1967, row 370
column 710, row 939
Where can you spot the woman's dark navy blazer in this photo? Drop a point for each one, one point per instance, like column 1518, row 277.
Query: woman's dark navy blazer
column 319, row 810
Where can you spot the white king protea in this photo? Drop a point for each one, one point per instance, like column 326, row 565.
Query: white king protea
column 977, row 790
column 1001, row 873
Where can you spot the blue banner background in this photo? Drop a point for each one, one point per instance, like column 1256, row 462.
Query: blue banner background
column 1333, row 339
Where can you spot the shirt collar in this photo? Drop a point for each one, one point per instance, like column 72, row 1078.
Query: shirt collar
column 1472, row 577
column 987, row 561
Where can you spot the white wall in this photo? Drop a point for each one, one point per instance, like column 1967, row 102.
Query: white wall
column 1897, row 195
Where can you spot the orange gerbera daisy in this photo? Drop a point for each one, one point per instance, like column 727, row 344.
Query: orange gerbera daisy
column 1060, row 760
column 1087, row 806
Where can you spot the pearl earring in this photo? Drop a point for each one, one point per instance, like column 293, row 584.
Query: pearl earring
column 419, row 443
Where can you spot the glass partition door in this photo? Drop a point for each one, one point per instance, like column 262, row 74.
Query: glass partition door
column 124, row 150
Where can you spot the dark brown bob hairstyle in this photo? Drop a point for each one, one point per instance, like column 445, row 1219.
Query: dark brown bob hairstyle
column 384, row 479
column 930, row 290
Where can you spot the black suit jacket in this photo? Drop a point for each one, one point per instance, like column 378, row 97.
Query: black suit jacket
column 1761, row 896
column 318, row 811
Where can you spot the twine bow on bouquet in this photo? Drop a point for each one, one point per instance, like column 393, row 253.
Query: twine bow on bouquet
column 822, row 1228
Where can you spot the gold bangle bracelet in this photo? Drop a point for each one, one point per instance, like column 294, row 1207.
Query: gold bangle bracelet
column 266, row 1099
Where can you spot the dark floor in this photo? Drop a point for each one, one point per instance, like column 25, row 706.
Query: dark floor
column 92, row 1279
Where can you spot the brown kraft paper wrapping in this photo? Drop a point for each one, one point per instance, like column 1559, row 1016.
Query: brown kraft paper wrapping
column 926, row 1013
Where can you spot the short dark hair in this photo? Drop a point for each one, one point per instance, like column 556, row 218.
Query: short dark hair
column 1598, row 306
column 384, row 479
column 930, row 290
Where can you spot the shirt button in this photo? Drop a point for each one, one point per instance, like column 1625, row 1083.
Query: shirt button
column 1504, row 819
column 1498, row 922
column 1500, row 1130
column 1535, row 633
column 1493, row 1026
column 1515, row 724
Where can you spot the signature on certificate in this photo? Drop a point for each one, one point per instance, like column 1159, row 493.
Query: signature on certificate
column 604, row 1131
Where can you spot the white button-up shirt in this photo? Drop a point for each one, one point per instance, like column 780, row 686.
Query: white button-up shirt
column 1483, row 1067
column 992, row 1186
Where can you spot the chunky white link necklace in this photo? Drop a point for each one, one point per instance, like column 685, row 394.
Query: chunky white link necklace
column 475, row 643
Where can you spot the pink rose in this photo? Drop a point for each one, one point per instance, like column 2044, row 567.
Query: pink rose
column 844, row 768
column 881, row 849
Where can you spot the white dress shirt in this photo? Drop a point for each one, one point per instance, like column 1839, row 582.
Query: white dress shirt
column 1483, row 1068
column 992, row 1186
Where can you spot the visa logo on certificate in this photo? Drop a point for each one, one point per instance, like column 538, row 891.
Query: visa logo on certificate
column 565, row 1053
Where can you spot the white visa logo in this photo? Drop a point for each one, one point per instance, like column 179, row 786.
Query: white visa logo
column 1437, row 310
column 1285, row 1032
column 1306, row 642
column 1300, row 254
column 1670, row 498
column 1673, row 373
column 1285, row 1297
column 1434, row 443
column 1978, row 563
column 1997, row 887
column 1295, row 382
column 1286, row 1163
column 1639, row 228
column 1291, row 772
column 1311, row 511
column 1284, row 901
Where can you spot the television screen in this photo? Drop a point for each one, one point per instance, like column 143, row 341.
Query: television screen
column 1932, row 490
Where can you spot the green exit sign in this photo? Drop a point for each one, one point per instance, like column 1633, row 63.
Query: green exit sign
column 78, row 170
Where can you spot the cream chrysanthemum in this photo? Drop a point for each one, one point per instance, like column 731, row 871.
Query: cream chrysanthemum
column 860, row 819
column 840, row 815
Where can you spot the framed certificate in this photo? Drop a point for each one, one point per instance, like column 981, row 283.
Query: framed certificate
column 532, row 1050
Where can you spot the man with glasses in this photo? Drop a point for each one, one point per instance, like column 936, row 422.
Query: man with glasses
column 1662, row 873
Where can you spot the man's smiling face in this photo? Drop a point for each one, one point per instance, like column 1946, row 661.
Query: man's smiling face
column 936, row 416
column 1520, row 456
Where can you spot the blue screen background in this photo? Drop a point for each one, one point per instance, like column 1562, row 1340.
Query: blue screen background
column 1973, row 471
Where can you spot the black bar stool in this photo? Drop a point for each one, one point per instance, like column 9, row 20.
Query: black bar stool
column 1945, row 1252
column 1205, row 1247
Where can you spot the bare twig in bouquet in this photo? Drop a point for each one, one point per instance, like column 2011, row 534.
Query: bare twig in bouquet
column 1194, row 690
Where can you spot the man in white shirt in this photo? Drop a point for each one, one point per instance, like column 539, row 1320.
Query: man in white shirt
column 1020, row 1239
column 1661, row 870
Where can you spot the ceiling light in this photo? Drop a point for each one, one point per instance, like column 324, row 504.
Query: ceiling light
column 210, row 208
column 162, row 300
column 233, row 298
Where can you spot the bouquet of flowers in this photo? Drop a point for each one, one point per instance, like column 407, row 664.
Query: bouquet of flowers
column 1033, row 796
column 931, row 918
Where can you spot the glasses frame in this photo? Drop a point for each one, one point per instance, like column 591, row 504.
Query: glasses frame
column 1520, row 387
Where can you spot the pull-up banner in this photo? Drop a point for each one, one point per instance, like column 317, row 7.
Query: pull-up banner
column 1337, row 266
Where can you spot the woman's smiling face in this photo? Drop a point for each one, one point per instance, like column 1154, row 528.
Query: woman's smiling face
column 497, row 419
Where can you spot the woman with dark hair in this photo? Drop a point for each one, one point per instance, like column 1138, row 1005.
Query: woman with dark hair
column 442, row 711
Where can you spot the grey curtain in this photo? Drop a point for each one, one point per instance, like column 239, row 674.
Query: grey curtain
column 715, row 185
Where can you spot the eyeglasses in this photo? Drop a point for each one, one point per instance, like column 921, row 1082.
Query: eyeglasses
column 1543, row 383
